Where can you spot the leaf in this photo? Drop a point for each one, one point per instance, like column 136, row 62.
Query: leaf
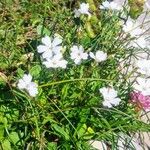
column 42, row 30
column 86, row 133
column 6, row 145
column 35, row 71
column 90, row 130
column 89, row 134
column 61, row 131
column 89, row 30
column 85, row 40
column 20, row 72
column 13, row 115
column 3, row 79
column 3, row 120
column 52, row 146
column 1, row 132
column 14, row 137
column 65, row 90
column 82, row 130
column 3, row 63
column 48, row 119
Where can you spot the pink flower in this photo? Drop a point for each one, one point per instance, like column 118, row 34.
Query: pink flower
column 140, row 100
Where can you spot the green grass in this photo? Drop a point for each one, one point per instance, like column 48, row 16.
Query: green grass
column 68, row 110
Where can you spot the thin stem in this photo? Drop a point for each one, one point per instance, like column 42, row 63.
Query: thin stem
column 74, row 80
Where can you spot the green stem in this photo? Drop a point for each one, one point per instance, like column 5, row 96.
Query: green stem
column 74, row 80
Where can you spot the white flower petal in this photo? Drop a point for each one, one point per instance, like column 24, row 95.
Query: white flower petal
column 57, row 50
column 106, row 4
column 91, row 54
column 100, row 56
column 56, row 41
column 33, row 92
column 42, row 48
column 47, row 41
column 81, row 49
column 111, row 5
column 47, row 54
column 63, row 64
column 107, row 104
column 84, row 56
column 142, row 85
column 77, row 61
column 115, row 101
column 21, row 84
column 101, row 7
column 48, row 63
column 27, row 78
column 32, row 89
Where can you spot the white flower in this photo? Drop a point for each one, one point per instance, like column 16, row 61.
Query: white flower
column 110, row 5
column 77, row 54
column 143, row 66
column 55, row 62
column 84, row 9
column 99, row 56
column 52, row 52
column 142, row 85
column 26, row 84
column 110, row 97
column 131, row 27
column 50, row 46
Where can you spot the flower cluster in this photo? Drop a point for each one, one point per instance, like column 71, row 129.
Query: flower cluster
column 141, row 94
column 136, row 31
column 140, row 100
column 26, row 84
column 110, row 97
column 136, row 28
column 53, row 58
column 52, row 52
